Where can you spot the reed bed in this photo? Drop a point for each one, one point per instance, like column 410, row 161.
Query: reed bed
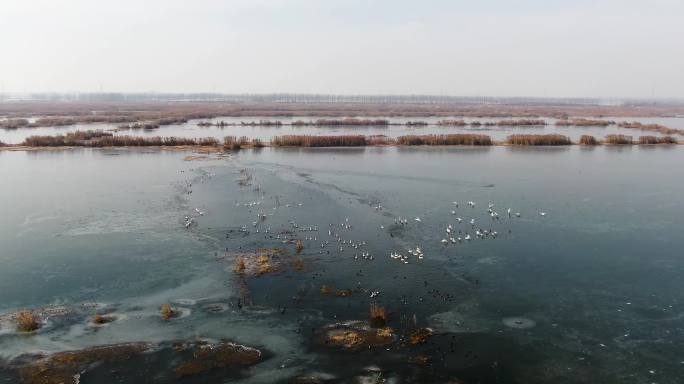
column 14, row 123
column 583, row 123
column 550, row 139
column 452, row 123
column 518, row 123
column 319, row 141
column 618, row 140
column 380, row 140
column 106, row 139
column 452, row 139
column 588, row 140
column 265, row 123
column 657, row 140
column 651, row 127
column 352, row 121
column 416, row 123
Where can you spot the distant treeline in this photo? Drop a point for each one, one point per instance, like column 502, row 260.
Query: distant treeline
column 107, row 139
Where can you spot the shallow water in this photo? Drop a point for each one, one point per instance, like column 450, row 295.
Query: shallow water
column 590, row 292
column 191, row 129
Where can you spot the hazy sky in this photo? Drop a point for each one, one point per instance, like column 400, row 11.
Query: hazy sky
column 622, row 48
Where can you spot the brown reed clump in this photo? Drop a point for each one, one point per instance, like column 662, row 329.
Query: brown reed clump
column 452, row 123
column 588, row 140
column 299, row 246
column 298, row 264
column 550, row 139
column 98, row 139
column 377, row 140
column 618, row 140
column 351, row 122
column 13, row 123
column 583, row 123
column 326, row 290
column 419, row 336
column 416, row 123
column 344, row 293
column 522, row 122
column 102, row 319
column 239, row 266
column 378, row 316
column 451, row 139
column 27, row 321
column 257, row 143
column 231, row 143
column 651, row 127
column 657, row 140
column 319, row 141
column 167, row 313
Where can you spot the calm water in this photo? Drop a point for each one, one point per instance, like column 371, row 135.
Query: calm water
column 596, row 281
column 191, row 129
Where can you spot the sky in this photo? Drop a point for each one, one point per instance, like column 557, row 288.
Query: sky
column 552, row 48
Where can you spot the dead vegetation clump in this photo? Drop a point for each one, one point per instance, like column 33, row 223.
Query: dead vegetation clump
column 657, row 140
column 299, row 246
column 378, row 315
column 618, row 140
column 167, row 312
column 27, row 321
column 325, row 290
column 451, row 139
column 379, row 140
column 550, row 139
column 319, row 141
column 14, row 123
column 419, row 336
column 99, row 139
column 356, row 335
column 588, row 140
column 651, row 127
column 519, row 123
column 207, row 356
column 102, row 319
column 583, row 123
column 66, row 367
column 261, row 261
column 452, row 123
column 416, row 123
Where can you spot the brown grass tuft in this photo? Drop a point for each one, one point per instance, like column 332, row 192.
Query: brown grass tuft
column 27, row 321
column 551, row 139
column 657, row 140
column 618, row 140
column 588, row 140
column 378, row 315
column 452, row 139
column 319, row 141
column 167, row 313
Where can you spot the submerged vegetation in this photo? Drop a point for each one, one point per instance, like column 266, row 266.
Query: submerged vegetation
column 550, row 139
